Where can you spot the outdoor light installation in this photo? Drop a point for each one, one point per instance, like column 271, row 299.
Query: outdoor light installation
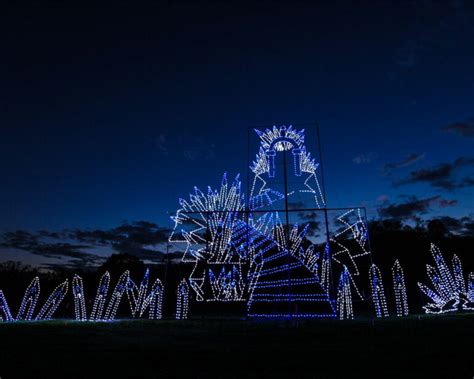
column 448, row 291
column 245, row 249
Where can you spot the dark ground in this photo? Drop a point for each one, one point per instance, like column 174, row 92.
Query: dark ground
column 418, row 346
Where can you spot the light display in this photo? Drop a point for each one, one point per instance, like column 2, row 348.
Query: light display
column 56, row 297
column 136, row 295
column 285, row 139
column 399, row 288
column 140, row 300
column 247, row 254
column 79, row 298
column 116, row 296
column 30, row 299
column 378, row 293
column 154, row 302
column 5, row 314
column 216, row 214
column 448, row 292
column 344, row 296
column 458, row 275
column 182, row 301
column 100, row 298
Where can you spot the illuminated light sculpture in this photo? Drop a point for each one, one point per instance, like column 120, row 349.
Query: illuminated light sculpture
column 400, row 290
column 136, row 295
column 116, row 296
column 245, row 253
column 378, row 294
column 182, row 301
column 5, row 314
column 154, row 302
column 56, row 297
column 140, row 300
column 216, row 214
column 30, row 299
column 344, row 296
column 79, row 298
column 285, row 139
column 284, row 286
column 100, row 298
column 448, row 292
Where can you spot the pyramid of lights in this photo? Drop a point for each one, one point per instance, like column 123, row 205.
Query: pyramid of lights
column 244, row 248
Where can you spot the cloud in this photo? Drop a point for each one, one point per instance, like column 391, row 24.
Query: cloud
column 408, row 161
column 463, row 226
column 140, row 238
column 463, row 129
column 414, row 207
column 365, row 158
column 441, row 176
column 298, row 204
column 37, row 245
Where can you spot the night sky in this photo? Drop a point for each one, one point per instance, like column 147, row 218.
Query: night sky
column 109, row 115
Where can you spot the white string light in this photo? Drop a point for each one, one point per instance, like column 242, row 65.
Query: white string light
column 100, row 298
column 79, row 298
column 448, row 292
column 182, row 301
column 30, row 299
column 117, row 294
column 378, row 293
column 56, row 297
column 399, row 288
column 344, row 296
column 154, row 302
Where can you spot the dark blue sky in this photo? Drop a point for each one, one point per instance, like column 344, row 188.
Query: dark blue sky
column 111, row 114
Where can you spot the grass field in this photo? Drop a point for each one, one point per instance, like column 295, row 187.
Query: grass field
column 417, row 346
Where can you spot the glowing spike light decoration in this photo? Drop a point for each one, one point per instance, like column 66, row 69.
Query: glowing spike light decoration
column 100, row 298
column 154, row 302
column 30, row 299
column 182, row 301
column 5, row 314
column 325, row 268
column 448, row 292
column 79, row 298
column 378, row 293
column 56, row 297
column 344, row 296
column 140, row 300
column 136, row 295
column 399, row 288
column 116, row 296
